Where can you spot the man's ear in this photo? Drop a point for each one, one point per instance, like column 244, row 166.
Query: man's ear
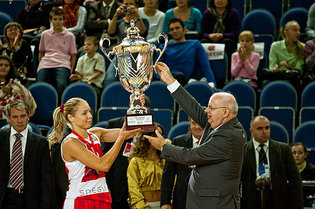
column 185, row 29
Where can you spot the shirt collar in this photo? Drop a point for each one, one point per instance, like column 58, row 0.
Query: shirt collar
column 24, row 132
column 256, row 144
column 87, row 58
column 110, row 4
column 51, row 30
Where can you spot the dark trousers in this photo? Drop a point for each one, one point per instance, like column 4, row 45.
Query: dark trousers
column 13, row 200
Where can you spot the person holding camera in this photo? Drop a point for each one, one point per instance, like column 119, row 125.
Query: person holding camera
column 119, row 27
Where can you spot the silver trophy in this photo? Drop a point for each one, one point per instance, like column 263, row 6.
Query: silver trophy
column 135, row 69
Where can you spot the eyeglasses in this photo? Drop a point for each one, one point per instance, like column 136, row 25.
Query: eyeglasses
column 214, row 108
column 5, row 65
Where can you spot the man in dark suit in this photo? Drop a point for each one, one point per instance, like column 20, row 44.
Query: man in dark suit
column 217, row 161
column 25, row 176
column 100, row 14
column 116, row 177
column 172, row 169
column 285, row 189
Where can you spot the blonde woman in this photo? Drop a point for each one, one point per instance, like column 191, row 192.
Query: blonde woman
column 83, row 157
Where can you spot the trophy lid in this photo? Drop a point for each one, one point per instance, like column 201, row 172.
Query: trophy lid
column 133, row 36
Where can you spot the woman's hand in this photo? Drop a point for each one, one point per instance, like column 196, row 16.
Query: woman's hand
column 276, row 68
column 127, row 134
column 16, row 40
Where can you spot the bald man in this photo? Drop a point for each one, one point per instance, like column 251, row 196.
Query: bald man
column 216, row 163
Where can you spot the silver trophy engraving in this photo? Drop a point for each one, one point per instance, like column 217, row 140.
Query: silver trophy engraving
column 135, row 69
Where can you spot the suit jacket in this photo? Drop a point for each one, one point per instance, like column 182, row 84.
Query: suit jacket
column 286, row 182
column 214, row 181
column 116, row 177
column 97, row 10
column 181, row 171
column 38, row 181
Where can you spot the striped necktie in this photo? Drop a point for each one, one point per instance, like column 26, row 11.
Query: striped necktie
column 16, row 169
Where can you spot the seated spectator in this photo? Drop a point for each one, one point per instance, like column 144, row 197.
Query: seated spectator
column 221, row 24
column 91, row 66
column 245, row 62
column 75, row 19
column 286, row 57
column 310, row 23
column 306, row 169
column 309, row 55
column 100, row 14
column 18, row 50
column 130, row 12
column 10, row 87
column 57, row 53
column 145, row 173
column 186, row 58
column 174, row 184
column 34, row 20
column 189, row 15
column 155, row 18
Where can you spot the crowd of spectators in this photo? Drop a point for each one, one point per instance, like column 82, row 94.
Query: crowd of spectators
column 65, row 35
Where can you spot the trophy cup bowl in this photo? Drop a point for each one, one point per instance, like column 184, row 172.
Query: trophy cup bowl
column 135, row 69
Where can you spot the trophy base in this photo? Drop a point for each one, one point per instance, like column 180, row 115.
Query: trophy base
column 144, row 121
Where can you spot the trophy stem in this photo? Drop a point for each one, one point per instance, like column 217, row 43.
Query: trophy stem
column 136, row 107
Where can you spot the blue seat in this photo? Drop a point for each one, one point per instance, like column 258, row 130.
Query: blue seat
column 249, row 22
column 181, row 115
column 274, row 7
column 305, row 133
column 278, row 132
column 220, row 70
column 102, row 124
column 283, row 115
column 307, row 111
column 12, row 7
column 245, row 115
column 178, row 129
column 115, row 95
column 278, row 102
column 82, row 90
column 245, row 94
column 159, row 96
column 164, row 117
column 298, row 14
column 308, row 95
column 279, row 93
column 35, row 128
column 4, row 19
column 107, row 113
column 46, row 98
column 200, row 91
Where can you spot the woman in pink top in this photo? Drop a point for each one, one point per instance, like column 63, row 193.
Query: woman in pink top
column 245, row 62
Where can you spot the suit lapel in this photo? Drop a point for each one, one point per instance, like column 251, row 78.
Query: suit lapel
column 29, row 147
column 251, row 158
column 6, row 147
column 272, row 155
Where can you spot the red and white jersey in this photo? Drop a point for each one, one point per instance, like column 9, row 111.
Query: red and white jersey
column 85, row 182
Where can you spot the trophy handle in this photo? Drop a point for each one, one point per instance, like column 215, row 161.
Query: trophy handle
column 159, row 50
column 102, row 41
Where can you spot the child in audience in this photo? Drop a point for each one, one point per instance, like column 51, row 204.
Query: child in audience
column 57, row 52
column 91, row 66
column 245, row 61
